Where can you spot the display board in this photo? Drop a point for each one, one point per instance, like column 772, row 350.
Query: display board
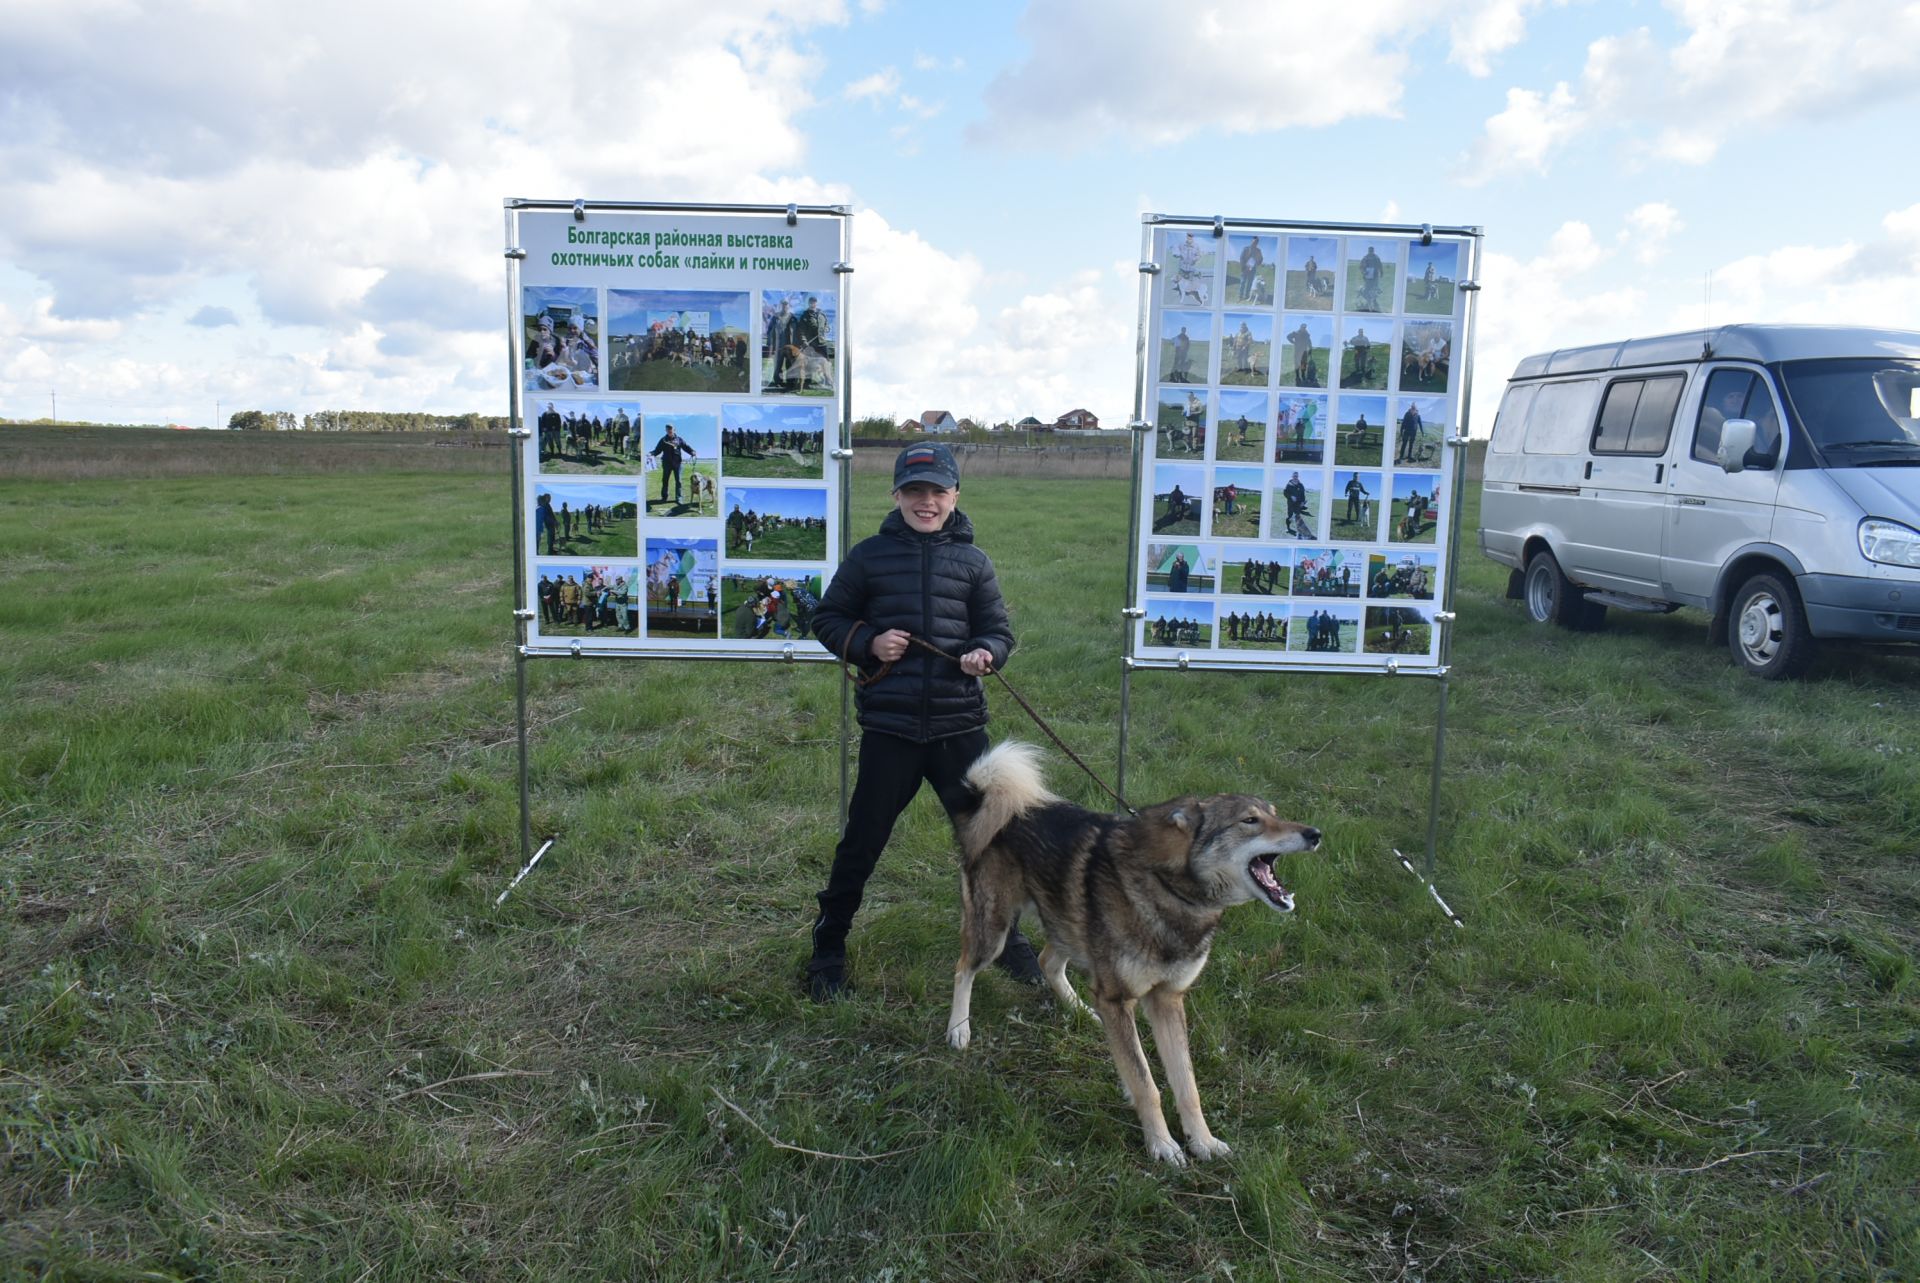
column 679, row 374
column 1299, row 388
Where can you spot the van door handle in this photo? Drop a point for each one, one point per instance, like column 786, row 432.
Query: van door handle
column 1589, row 472
column 1659, row 469
column 1691, row 502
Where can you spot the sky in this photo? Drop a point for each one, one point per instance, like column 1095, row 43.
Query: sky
column 215, row 206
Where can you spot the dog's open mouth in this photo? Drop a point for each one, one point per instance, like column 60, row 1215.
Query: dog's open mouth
column 1261, row 870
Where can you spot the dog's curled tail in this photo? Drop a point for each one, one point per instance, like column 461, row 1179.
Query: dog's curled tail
column 1008, row 780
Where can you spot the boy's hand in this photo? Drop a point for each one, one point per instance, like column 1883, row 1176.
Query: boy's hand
column 890, row 645
column 977, row 663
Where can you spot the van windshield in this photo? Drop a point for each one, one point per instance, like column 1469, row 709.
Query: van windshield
column 1859, row 412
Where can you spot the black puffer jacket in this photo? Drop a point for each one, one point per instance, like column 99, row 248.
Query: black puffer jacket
column 936, row 586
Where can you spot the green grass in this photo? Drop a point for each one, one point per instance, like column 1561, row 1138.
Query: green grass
column 1441, row 304
column 259, row 1018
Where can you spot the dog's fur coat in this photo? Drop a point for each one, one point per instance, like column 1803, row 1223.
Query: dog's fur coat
column 1134, row 901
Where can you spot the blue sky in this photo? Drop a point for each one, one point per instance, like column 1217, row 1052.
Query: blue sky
column 261, row 208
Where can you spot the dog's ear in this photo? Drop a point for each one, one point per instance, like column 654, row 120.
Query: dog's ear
column 1164, row 833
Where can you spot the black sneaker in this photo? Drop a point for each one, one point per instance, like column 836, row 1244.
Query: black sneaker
column 827, row 977
column 1019, row 961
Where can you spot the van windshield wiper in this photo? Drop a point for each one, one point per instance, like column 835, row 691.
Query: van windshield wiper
column 1900, row 443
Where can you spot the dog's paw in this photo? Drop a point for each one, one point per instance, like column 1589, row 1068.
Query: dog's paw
column 960, row 1035
column 1165, row 1151
column 1209, row 1148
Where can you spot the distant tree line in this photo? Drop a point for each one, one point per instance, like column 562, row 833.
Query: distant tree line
column 364, row 421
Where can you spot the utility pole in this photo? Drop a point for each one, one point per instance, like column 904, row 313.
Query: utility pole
column 216, row 416
column 53, row 394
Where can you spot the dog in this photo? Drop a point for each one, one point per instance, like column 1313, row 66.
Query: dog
column 1134, row 901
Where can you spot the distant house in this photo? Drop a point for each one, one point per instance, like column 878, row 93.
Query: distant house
column 938, row 421
column 1078, row 421
column 910, row 426
column 968, row 425
column 1031, row 424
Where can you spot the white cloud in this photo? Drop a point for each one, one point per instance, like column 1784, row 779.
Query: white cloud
column 1521, row 137
column 1479, row 31
column 1852, row 283
column 926, row 344
column 1649, row 228
column 1161, row 73
column 882, row 84
column 350, row 185
column 1740, row 66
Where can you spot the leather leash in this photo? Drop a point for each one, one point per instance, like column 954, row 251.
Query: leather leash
column 1038, row 720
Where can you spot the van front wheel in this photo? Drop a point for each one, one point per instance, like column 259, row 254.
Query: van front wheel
column 1550, row 596
column 1767, row 629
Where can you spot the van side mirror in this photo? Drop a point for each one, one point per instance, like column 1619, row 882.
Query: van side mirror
column 1736, row 438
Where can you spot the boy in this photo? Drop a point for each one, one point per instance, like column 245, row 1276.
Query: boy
column 922, row 716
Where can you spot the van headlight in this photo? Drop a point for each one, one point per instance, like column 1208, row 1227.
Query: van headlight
column 1889, row 542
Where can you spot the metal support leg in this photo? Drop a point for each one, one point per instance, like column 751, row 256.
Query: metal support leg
column 1433, row 790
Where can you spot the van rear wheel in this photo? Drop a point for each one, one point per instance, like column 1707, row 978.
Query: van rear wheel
column 1767, row 629
column 1551, row 597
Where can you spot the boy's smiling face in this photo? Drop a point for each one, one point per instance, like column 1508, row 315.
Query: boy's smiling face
column 924, row 505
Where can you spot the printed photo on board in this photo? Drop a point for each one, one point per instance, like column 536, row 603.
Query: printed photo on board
column 1427, row 356
column 585, row 520
column 1366, row 353
column 775, row 604
column 1300, row 429
column 1180, row 422
column 560, row 333
column 768, row 523
column 1297, row 511
column 1187, row 266
column 1250, row 269
column 1415, row 515
column 1181, row 568
column 1356, row 506
column 593, row 438
column 1432, row 273
column 1177, row 492
column 1243, row 427
column 1307, row 341
column 1183, row 622
column 1326, row 572
column 1402, row 574
column 1237, row 500
column 1186, row 346
column 677, row 340
column 1256, row 572
column 1370, row 277
column 683, row 464
column 1398, row 630
column 683, row 590
column 773, row 440
column 1248, row 628
column 1419, row 431
column 587, row 601
column 1311, row 263
column 798, row 338
column 1363, row 430
column 1246, row 354
column 1328, row 629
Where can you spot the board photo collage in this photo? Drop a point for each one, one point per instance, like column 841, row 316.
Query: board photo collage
column 679, row 462
column 1297, row 477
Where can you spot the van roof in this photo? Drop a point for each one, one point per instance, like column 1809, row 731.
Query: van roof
column 1762, row 343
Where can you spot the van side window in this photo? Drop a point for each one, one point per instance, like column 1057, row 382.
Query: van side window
column 1511, row 421
column 1558, row 422
column 1637, row 416
column 1738, row 394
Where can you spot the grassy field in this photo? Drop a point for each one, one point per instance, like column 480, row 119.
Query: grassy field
column 259, row 1018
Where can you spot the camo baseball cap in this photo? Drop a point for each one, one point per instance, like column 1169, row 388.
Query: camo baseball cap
column 932, row 463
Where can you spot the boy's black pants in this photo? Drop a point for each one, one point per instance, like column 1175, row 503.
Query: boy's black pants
column 891, row 771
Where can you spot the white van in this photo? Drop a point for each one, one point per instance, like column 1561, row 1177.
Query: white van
column 1769, row 474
